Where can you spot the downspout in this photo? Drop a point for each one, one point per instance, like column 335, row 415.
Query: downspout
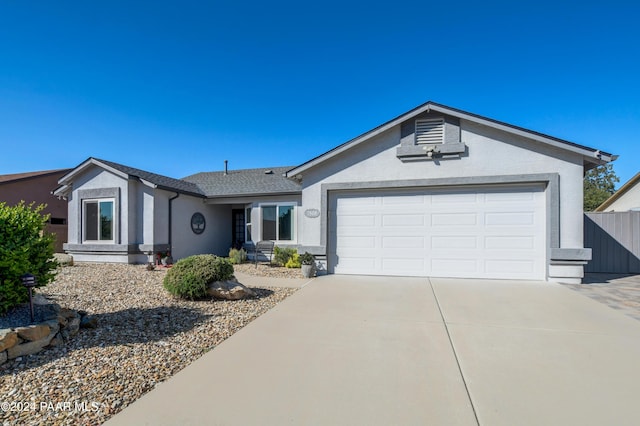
column 170, row 222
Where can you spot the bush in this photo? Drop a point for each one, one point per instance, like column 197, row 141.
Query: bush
column 189, row 277
column 237, row 256
column 281, row 255
column 24, row 248
column 293, row 262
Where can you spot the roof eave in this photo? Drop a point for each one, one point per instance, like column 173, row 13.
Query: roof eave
column 66, row 179
column 61, row 191
column 586, row 152
column 254, row 194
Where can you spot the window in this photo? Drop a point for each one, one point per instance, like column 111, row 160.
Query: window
column 429, row 131
column 278, row 222
column 98, row 220
column 248, row 224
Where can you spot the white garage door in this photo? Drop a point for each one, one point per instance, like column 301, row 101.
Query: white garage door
column 474, row 233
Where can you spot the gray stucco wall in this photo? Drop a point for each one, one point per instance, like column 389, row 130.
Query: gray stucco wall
column 216, row 238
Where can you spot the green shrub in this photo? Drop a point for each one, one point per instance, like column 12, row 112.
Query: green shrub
column 189, row 277
column 281, row 255
column 237, row 256
column 293, row 262
column 24, row 248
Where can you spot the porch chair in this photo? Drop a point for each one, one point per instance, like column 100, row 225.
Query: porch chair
column 265, row 248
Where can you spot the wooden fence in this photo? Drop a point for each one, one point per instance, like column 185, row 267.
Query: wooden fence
column 614, row 238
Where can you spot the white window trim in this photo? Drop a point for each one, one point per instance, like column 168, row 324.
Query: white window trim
column 294, row 237
column 84, row 220
column 248, row 227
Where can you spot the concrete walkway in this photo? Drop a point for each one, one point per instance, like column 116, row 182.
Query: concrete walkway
column 381, row 351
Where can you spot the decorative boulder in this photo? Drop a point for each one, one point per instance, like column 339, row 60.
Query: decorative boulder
column 229, row 290
column 63, row 259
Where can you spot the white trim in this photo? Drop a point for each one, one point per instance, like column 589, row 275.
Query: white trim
column 248, row 224
column 294, row 218
column 98, row 201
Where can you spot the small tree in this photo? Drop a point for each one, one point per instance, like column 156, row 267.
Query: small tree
column 24, row 248
column 599, row 184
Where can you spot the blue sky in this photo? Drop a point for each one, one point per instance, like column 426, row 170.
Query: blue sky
column 178, row 87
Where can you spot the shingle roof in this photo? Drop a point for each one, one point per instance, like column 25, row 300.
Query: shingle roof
column 268, row 180
column 161, row 181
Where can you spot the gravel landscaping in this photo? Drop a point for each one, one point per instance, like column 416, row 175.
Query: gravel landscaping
column 144, row 336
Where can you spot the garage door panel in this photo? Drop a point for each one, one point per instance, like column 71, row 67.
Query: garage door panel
column 509, row 219
column 462, row 265
column 454, row 219
column 348, row 221
column 406, row 266
column 509, row 267
column 520, row 242
column 491, row 232
column 357, row 242
column 403, row 242
column 403, row 219
column 454, row 241
column 509, row 197
column 400, row 200
column 357, row 263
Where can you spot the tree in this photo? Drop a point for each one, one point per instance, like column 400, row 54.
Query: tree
column 24, row 248
column 599, row 184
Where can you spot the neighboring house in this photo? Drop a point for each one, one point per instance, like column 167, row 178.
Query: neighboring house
column 434, row 192
column 624, row 199
column 36, row 187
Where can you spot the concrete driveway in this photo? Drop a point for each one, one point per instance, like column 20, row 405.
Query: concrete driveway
column 348, row 350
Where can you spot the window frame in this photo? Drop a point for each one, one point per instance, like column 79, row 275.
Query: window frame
column 248, row 228
column 294, row 221
column 83, row 231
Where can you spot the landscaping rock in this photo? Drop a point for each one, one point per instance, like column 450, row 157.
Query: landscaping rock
column 73, row 326
column 230, row 290
column 68, row 313
column 56, row 341
column 118, row 362
column 63, row 259
column 33, row 332
column 26, row 348
column 54, row 325
column 62, row 321
column 8, row 339
column 88, row 321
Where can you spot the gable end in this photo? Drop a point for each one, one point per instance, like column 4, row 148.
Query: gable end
column 430, row 135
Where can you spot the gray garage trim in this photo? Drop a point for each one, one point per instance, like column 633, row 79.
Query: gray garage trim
column 550, row 180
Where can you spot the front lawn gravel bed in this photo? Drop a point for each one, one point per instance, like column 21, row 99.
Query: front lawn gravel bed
column 144, row 336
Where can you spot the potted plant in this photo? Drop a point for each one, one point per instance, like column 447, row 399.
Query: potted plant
column 164, row 258
column 308, row 265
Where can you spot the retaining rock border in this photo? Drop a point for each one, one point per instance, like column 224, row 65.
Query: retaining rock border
column 55, row 330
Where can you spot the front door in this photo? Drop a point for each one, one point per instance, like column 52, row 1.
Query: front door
column 237, row 228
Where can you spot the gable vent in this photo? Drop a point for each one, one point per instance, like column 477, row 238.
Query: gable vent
column 430, row 131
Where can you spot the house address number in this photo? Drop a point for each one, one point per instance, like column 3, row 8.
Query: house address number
column 312, row 213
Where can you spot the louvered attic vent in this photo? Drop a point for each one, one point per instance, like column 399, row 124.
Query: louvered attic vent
column 429, row 131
